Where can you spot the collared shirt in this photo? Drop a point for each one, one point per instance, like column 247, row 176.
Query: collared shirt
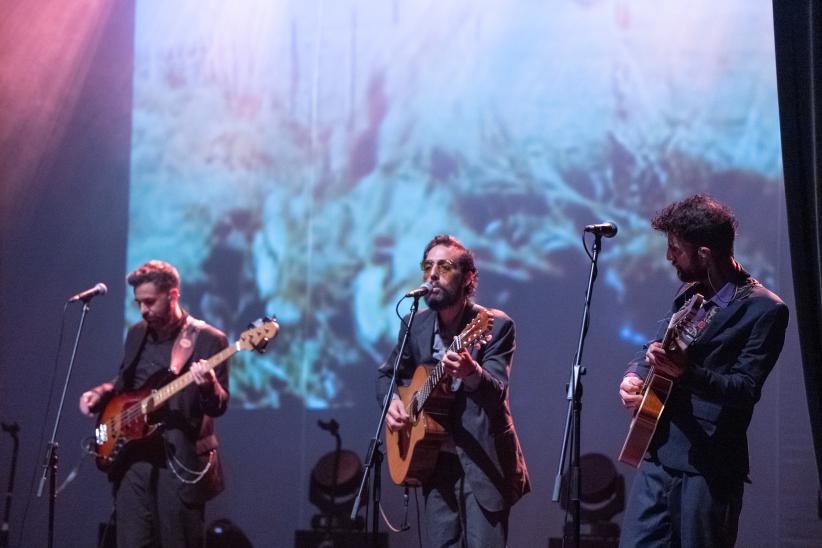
column 725, row 295
column 721, row 299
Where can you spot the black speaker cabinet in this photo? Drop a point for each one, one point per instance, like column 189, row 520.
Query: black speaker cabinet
column 337, row 539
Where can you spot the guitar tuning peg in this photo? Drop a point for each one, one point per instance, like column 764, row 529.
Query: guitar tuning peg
column 269, row 318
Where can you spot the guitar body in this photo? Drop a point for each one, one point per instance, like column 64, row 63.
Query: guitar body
column 682, row 331
column 127, row 418
column 122, row 423
column 412, row 452
column 643, row 424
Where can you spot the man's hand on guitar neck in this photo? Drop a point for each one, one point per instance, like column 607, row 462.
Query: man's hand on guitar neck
column 397, row 417
column 203, row 377
column 460, row 364
column 90, row 400
column 671, row 364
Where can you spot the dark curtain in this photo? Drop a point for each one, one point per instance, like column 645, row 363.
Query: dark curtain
column 798, row 38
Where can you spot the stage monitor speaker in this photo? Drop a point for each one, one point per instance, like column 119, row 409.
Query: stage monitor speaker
column 337, row 539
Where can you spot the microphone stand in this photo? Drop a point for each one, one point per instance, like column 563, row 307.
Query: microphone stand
column 572, row 419
column 50, row 461
column 373, row 459
column 12, row 429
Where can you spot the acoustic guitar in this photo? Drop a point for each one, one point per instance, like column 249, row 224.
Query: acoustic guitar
column 127, row 418
column 412, row 452
column 681, row 332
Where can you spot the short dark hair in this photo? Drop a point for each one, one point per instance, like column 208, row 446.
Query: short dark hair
column 701, row 221
column 465, row 261
column 160, row 273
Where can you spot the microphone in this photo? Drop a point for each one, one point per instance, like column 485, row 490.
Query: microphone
column 88, row 294
column 424, row 289
column 609, row 229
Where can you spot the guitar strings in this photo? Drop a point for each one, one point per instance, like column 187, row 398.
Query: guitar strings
column 135, row 411
column 430, row 384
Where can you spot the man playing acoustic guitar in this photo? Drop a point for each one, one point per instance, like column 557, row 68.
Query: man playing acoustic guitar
column 478, row 471
column 161, row 483
column 688, row 491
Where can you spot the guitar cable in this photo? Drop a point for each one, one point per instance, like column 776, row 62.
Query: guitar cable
column 86, row 449
column 404, row 526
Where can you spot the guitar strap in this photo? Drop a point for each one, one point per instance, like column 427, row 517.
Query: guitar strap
column 184, row 343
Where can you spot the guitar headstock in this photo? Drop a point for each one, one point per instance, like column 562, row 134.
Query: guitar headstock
column 682, row 322
column 478, row 329
column 258, row 334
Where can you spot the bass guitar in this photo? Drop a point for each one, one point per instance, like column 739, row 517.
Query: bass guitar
column 126, row 418
column 681, row 332
column 412, row 452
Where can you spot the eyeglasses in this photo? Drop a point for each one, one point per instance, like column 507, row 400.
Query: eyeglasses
column 444, row 267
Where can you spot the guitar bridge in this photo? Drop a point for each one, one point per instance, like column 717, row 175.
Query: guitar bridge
column 101, row 434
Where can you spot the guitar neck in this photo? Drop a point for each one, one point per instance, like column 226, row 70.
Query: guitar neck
column 435, row 377
column 161, row 395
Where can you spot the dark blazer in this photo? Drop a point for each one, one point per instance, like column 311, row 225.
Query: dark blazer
column 704, row 426
column 188, row 417
column 480, row 423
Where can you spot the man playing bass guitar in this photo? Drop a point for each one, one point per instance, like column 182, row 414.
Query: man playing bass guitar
column 478, row 471
column 161, row 484
column 688, row 491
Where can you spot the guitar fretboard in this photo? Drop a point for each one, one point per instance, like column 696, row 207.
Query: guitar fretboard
column 161, row 395
column 434, row 379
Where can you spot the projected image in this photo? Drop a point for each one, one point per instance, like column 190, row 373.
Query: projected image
column 296, row 157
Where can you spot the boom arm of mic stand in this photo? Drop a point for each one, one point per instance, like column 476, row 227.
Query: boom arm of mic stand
column 373, row 448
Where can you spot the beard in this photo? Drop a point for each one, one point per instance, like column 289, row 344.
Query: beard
column 685, row 276
column 445, row 297
column 160, row 321
column 697, row 271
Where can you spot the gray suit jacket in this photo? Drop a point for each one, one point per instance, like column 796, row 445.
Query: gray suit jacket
column 480, row 423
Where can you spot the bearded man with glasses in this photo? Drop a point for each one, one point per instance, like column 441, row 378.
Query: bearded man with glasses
column 480, row 471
